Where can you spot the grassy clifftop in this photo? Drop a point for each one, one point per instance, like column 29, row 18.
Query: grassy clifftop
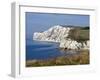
column 79, row 34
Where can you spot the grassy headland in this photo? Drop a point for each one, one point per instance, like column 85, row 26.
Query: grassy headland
column 79, row 34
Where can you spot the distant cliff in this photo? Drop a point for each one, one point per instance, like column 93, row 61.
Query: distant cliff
column 68, row 37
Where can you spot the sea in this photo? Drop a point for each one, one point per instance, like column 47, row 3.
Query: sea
column 41, row 50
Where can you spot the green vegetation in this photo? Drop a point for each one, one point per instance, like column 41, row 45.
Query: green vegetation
column 81, row 58
column 79, row 34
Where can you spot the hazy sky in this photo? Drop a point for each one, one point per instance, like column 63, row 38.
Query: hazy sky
column 37, row 22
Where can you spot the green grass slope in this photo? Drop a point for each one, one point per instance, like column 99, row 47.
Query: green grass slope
column 79, row 34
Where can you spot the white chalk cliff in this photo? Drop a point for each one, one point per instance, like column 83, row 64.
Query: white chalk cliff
column 60, row 34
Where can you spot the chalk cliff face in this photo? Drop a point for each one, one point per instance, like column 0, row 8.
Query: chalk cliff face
column 60, row 34
column 55, row 34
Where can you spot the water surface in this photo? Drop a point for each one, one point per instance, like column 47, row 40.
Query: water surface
column 44, row 50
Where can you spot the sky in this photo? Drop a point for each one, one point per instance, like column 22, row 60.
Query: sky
column 38, row 22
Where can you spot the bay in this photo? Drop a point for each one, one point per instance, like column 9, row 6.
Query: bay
column 40, row 50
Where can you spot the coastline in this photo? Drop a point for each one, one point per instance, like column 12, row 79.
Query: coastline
column 73, row 43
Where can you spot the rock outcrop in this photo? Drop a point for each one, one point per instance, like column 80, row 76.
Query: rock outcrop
column 60, row 34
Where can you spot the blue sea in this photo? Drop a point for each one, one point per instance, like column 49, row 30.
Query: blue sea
column 40, row 50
